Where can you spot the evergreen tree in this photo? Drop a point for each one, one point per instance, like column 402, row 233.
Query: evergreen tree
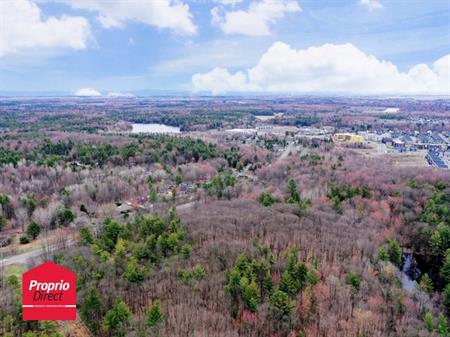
column 91, row 310
column 428, row 321
column 4, row 199
column 65, row 216
column 353, row 279
column 295, row 276
column 280, row 305
column 155, row 315
column 178, row 179
column 442, row 327
column 133, row 273
column 198, row 272
column 294, row 196
column 250, row 294
column 6, row 206
column 233, row 288
column 395, row 253
column 26, row 334
column 266, row 199
column 382, row 254
column 152, row 194
column 85, row 238
column 445, row 269
column 117, row 319
column 33, row 230
column 241, row 263
column 313, row 277
column 287, row 284
column 112, row 230
column 446, row 296
column 174, row 194
column 426, row 284
column 49, row 328
column 186, row 250
column 301, row 276
column 267, row 285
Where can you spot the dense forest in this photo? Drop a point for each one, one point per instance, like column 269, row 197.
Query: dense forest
column 225, row 235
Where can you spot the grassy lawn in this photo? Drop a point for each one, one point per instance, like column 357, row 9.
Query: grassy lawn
column 15, row 269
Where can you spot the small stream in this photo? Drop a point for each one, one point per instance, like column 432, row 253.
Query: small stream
column 411, row 272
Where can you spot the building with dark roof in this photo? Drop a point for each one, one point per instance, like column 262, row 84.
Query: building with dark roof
column 434, row 160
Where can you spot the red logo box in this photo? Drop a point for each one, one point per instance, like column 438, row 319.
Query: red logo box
column 49, row 293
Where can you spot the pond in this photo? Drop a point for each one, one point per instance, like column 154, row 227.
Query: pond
column 154, row 128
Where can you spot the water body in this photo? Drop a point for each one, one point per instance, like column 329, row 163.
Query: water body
column 411, row 272
column 154, row 128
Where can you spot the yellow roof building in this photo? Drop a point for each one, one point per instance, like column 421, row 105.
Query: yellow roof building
column 348, row 137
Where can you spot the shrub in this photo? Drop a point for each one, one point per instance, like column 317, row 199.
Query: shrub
column 65, row 216
column 353, row 279
column 266, row 199
column 12, row 281
column 198, row 272
column 23, row 240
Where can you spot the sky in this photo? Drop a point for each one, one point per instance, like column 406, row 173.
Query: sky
column 124, row 47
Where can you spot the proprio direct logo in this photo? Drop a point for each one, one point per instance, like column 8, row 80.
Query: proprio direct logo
column 49, row 293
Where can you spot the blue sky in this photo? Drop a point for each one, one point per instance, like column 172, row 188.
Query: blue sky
column 215, row 46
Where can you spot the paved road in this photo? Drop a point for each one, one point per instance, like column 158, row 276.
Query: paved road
column 23, row 258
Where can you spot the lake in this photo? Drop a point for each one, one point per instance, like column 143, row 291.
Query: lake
column 154, row 128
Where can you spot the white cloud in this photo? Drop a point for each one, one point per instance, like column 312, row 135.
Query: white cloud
column 171, row 14
column 371, row 4
column 256, row 20
column 219, row 80
column 23, row 28
column 328, row 68
column 228, row 2
column 87, row 92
